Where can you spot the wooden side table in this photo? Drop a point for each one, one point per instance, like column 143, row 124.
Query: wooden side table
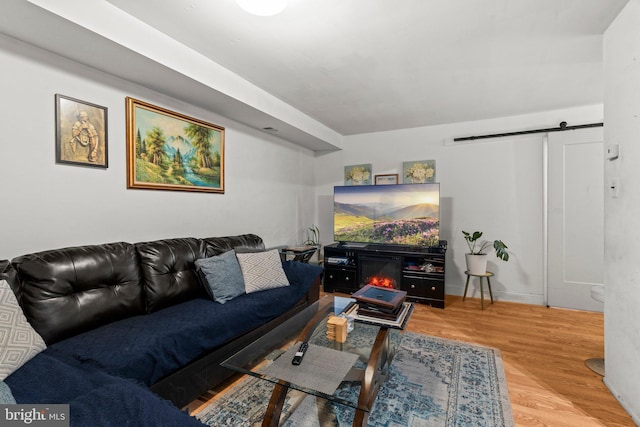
column 300, row 253
column 488, row 275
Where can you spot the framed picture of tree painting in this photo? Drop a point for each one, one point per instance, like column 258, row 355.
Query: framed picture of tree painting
column 170, row 151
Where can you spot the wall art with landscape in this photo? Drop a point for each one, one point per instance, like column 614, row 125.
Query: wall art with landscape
column 171, row 151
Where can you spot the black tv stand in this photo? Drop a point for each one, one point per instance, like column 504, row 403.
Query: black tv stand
column 381, row 247
column 420, row 271
column 353, row 245
column 387, row 248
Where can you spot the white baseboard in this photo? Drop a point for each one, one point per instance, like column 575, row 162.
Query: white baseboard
column 635, row 417
column 474, row 292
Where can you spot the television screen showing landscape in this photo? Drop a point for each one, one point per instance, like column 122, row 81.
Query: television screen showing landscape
column 404, row 214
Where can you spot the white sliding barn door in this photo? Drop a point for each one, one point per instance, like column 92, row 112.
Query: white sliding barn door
column 575, row 218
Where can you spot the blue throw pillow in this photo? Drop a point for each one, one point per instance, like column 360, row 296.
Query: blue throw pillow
column 6, row 397
column 223, row 276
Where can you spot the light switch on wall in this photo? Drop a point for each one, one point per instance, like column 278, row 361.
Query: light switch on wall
column 613, row 151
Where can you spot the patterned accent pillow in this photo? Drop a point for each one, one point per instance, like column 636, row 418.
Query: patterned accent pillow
column 262, row 270
column 223, row 278
column 19, row 342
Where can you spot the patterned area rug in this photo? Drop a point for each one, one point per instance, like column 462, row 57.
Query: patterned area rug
column 432, row 382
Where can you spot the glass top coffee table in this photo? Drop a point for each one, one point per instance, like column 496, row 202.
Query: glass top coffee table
column 348, row 373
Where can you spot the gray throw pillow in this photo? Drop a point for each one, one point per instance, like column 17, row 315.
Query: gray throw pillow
column 262, row 270
column 223, row 276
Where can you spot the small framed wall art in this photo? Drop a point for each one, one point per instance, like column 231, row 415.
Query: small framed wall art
column 419, row 172
column 386, row 179
column 81, row 133
column 357, row 174
column 170, row 151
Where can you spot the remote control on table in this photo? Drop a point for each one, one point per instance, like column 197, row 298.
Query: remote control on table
column 300, row 353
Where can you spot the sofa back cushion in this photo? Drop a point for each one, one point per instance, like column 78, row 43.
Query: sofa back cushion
column 8, row 273
column 64, row 292
column 241, row 243
column 169, row 271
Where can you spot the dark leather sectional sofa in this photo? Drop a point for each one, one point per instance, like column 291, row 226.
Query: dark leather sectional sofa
column 130, row 325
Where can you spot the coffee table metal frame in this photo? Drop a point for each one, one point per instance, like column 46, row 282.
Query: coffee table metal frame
column 300, row 328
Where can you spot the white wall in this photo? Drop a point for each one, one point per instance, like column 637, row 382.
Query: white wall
column 269, row 182
column 622, row 221
column 495, row 186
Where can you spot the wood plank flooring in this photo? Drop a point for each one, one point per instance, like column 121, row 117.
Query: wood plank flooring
column 543, row 352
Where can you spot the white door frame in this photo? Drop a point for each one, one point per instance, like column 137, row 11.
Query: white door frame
column 545, row 219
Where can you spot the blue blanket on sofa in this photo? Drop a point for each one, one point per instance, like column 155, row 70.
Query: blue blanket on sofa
column 94, row 397
column 149, row 347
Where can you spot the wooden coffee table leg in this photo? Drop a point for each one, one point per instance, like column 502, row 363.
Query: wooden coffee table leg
column 361, row 418
column 374, row 376
column 274, row 409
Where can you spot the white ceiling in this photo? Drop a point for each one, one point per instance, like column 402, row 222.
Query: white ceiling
column 346, row 66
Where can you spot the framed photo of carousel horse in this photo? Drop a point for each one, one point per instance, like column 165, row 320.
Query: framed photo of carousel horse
column 170, row 151
column 81, row 133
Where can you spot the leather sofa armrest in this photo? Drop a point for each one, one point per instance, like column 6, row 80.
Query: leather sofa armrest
column 313, row 294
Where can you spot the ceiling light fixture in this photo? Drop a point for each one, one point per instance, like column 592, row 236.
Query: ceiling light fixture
column 263, row 7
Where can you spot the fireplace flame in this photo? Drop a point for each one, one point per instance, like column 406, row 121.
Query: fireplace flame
column 382, row 282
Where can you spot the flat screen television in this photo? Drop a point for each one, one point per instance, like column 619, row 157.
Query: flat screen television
column 402, row 214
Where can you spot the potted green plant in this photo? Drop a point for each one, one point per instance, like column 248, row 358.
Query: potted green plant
column 313, row 236
column 477, row 257
column 313, row 239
